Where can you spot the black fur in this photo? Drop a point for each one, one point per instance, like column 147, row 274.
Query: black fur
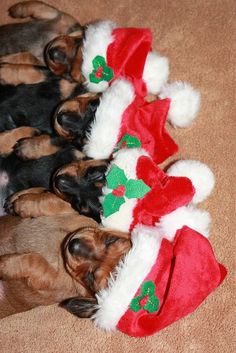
column 32, row 104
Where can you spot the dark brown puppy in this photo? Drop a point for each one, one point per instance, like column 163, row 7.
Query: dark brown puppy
column 40, row 264
column 46, row 23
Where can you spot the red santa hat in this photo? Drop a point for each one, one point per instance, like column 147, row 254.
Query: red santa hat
column 139, row 192
column 110, row 53
column 123, row 119
column 158, row 282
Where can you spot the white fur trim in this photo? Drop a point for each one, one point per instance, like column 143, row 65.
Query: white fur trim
column 200, row 175
column 105, row 129
column 98, row 36
column 127, row 160
column 156, row 71
column 185, row 103
column 194, row 218
column 129, row 274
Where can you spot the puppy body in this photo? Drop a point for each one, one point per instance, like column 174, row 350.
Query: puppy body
column 32, row 104
column 47, row 260
column 17, row 174
column 31, row 263
column 46, row 23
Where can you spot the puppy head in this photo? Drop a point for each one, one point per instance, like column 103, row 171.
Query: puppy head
column 63, row 56
column 73, row 117
column 81, row 183
column 91, row 254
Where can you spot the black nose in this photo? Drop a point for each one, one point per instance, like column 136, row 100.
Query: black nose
column 78, row 247
column 74, row 246
column 56, row 55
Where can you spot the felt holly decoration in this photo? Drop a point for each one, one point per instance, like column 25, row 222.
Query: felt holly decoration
column 158, row 282
column 138, row 191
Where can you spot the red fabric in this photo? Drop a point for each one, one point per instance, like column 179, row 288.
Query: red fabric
column 185, row 273
column 126, row 55
column 166, row 195
column 146, row 121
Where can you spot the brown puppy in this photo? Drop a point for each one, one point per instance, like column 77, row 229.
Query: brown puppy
column 40, row 264
column 46, row 23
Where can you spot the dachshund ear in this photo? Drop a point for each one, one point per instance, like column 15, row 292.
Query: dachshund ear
column 81, row 307
column 111, row 236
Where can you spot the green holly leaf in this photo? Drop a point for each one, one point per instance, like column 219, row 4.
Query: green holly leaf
column 134, row 305
column 148, row 288
column 111, row 204
column 128, row 141
column 98, row 61
column 116, row 177
column 136, row 189
column 152, row 304
column 108, row 73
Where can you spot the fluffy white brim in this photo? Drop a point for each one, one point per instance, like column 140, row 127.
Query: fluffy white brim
column 130, row 273
column 98, row 36
column 105, row 129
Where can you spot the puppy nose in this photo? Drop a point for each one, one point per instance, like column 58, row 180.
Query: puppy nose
column 74, row 246
column 56, row 55
column 62, row 118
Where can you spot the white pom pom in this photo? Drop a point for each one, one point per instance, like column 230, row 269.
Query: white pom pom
column 156, row 71
column 194, row 218
column 200, row 175
column 185, row 103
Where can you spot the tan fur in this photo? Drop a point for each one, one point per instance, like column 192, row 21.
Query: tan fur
column 8, row 139
column 77, row 105
column 15, row 74
column 36, row 202
column 31, row 263
column 37, row 268
column 36, row 147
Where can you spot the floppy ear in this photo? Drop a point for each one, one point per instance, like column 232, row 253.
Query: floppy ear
column 111, row 236
column 81, row 307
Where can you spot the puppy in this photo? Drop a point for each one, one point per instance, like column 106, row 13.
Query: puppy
column 46, row 23
column 17, row 174
column 77, row 187
column 46, row 260
column 29, row 96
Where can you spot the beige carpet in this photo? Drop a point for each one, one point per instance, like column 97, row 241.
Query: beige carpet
column 198, row 36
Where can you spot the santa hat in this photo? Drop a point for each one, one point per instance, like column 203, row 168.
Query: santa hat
column 123, row 119
column 110, row 53
column 138, row 191
column 158, row 282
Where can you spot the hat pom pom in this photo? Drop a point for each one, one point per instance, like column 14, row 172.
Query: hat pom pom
column 156, row 71
column 200, row 175
column 185, row 103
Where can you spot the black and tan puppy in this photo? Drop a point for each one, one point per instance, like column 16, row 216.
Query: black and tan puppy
column 46, row 23
column 29, row 96
column 76, row 187
column 49, row 259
